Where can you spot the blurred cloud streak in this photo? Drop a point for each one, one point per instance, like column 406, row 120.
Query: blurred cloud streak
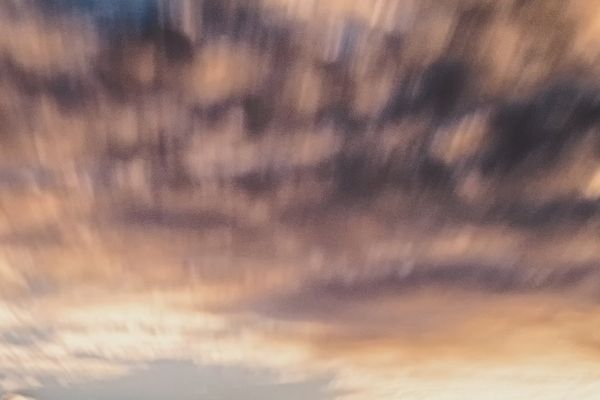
column 400, row 195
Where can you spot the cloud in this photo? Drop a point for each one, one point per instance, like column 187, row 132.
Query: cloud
column 16, row 397
column 196, row 203
column 329, row 299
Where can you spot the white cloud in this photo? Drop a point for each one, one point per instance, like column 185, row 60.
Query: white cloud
column 12, row 396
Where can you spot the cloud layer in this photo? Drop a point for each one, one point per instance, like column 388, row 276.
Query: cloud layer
column 404, row 195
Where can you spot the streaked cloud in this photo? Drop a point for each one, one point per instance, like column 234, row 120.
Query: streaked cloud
column 306, row 190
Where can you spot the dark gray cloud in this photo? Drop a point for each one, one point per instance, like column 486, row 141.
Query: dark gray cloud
column 539, row 129
column 176, row 220
column 335, row 299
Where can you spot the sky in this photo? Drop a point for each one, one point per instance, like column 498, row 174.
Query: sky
column 324, row 200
